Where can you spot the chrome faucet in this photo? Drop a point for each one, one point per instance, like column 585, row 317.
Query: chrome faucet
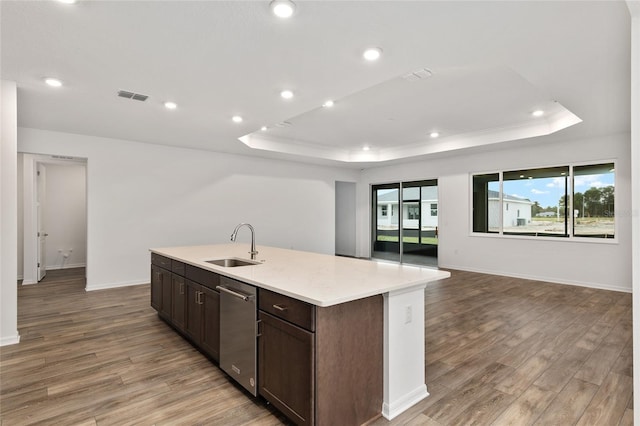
column 234, row 234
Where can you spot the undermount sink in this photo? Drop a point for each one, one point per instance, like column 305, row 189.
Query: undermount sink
column 232, row 262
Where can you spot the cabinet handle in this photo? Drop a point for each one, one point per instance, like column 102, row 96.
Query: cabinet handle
column 181, row 288
column 200, row 302
column 258, row 328
column 280, row 307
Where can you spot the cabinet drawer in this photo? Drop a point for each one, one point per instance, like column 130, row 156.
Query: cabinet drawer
column 161, row 261
column 295, row 311
column 177, row 267
column 206, row 278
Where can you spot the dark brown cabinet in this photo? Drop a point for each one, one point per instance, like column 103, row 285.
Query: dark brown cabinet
column 178, row 302
column 286, row 367
column 185, row 297
column 203, row 318
column 161, row 291
column 193, row 326
column 210, row 342
column 156, row 287
column 321, row 365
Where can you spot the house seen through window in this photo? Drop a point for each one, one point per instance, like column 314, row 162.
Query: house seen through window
column 405, row 222
column 565, row 201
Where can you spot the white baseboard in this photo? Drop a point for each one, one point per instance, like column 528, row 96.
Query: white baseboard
column 107, row 286
column 29, row 282
column 598, row 286
column 393, row 409
column 10, row 340
column 67, row 266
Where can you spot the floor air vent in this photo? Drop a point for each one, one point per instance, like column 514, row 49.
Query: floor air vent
column 131, row 95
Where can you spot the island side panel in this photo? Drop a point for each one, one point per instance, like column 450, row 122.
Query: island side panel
column 349, row 362
column 404, row 364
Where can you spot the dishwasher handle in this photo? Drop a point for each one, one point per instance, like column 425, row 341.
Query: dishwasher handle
column 245, row 297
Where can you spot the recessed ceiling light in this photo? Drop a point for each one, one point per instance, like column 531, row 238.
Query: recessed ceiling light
column 286, row 94
column 538, row 113
column 521, row 176
column 282, row 8
column 236, row 119
column 366, row 148
column 53, row 82
column 170, row 105
column 263, row 128
column 372, row 53
column 434, row 134
column 328, row 104
column 68, row 1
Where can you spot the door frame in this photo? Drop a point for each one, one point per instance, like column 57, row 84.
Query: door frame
column 400, row 186
column 30, row 221
column 41, row 230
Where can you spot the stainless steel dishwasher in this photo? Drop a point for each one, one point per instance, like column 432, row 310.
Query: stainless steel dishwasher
column 238, row 331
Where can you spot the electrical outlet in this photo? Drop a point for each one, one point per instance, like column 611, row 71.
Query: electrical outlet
column 408, row 314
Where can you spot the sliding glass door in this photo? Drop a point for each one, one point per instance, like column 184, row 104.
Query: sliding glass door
column 405, row 229
column 386, row 222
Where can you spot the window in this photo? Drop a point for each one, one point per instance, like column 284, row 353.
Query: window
column 531, row 191
column 540, row 202
column 594, row 201
column 434, row 209
column 383, row 211
column 413, row 211
column 486, row 200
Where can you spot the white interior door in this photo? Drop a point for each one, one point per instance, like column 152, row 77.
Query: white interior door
column 41, row 184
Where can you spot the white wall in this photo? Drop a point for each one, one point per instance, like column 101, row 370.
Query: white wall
column 634, row 8
column 141, row 196
column 597, row 264
column 345, row 218
column 20, row 252
column 8, row 214
column 65, row 216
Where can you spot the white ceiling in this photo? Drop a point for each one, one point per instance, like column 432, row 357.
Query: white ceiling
column 492, row 64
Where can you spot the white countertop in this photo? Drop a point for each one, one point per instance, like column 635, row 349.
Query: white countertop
column 319, row 279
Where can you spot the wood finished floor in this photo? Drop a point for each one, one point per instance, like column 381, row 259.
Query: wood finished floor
column 499, row 351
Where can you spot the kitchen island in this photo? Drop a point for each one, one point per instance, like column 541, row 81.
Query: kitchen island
column 346, row 334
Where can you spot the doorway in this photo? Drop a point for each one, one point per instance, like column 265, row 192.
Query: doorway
column 53, row 234
column 345, row 220
column 405, row 222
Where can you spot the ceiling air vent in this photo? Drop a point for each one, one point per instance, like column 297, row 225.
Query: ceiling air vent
column 132, row 95
column 418, row 75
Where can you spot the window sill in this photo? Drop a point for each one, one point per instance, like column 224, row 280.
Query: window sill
column 571, row 239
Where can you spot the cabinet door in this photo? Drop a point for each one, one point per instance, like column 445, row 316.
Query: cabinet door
column 211, row 323
column 286, row 373
column 165, row 305
column 178, row 308
column 193, row 323
column 156, row 287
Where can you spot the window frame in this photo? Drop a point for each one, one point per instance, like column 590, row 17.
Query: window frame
column 570, row 224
